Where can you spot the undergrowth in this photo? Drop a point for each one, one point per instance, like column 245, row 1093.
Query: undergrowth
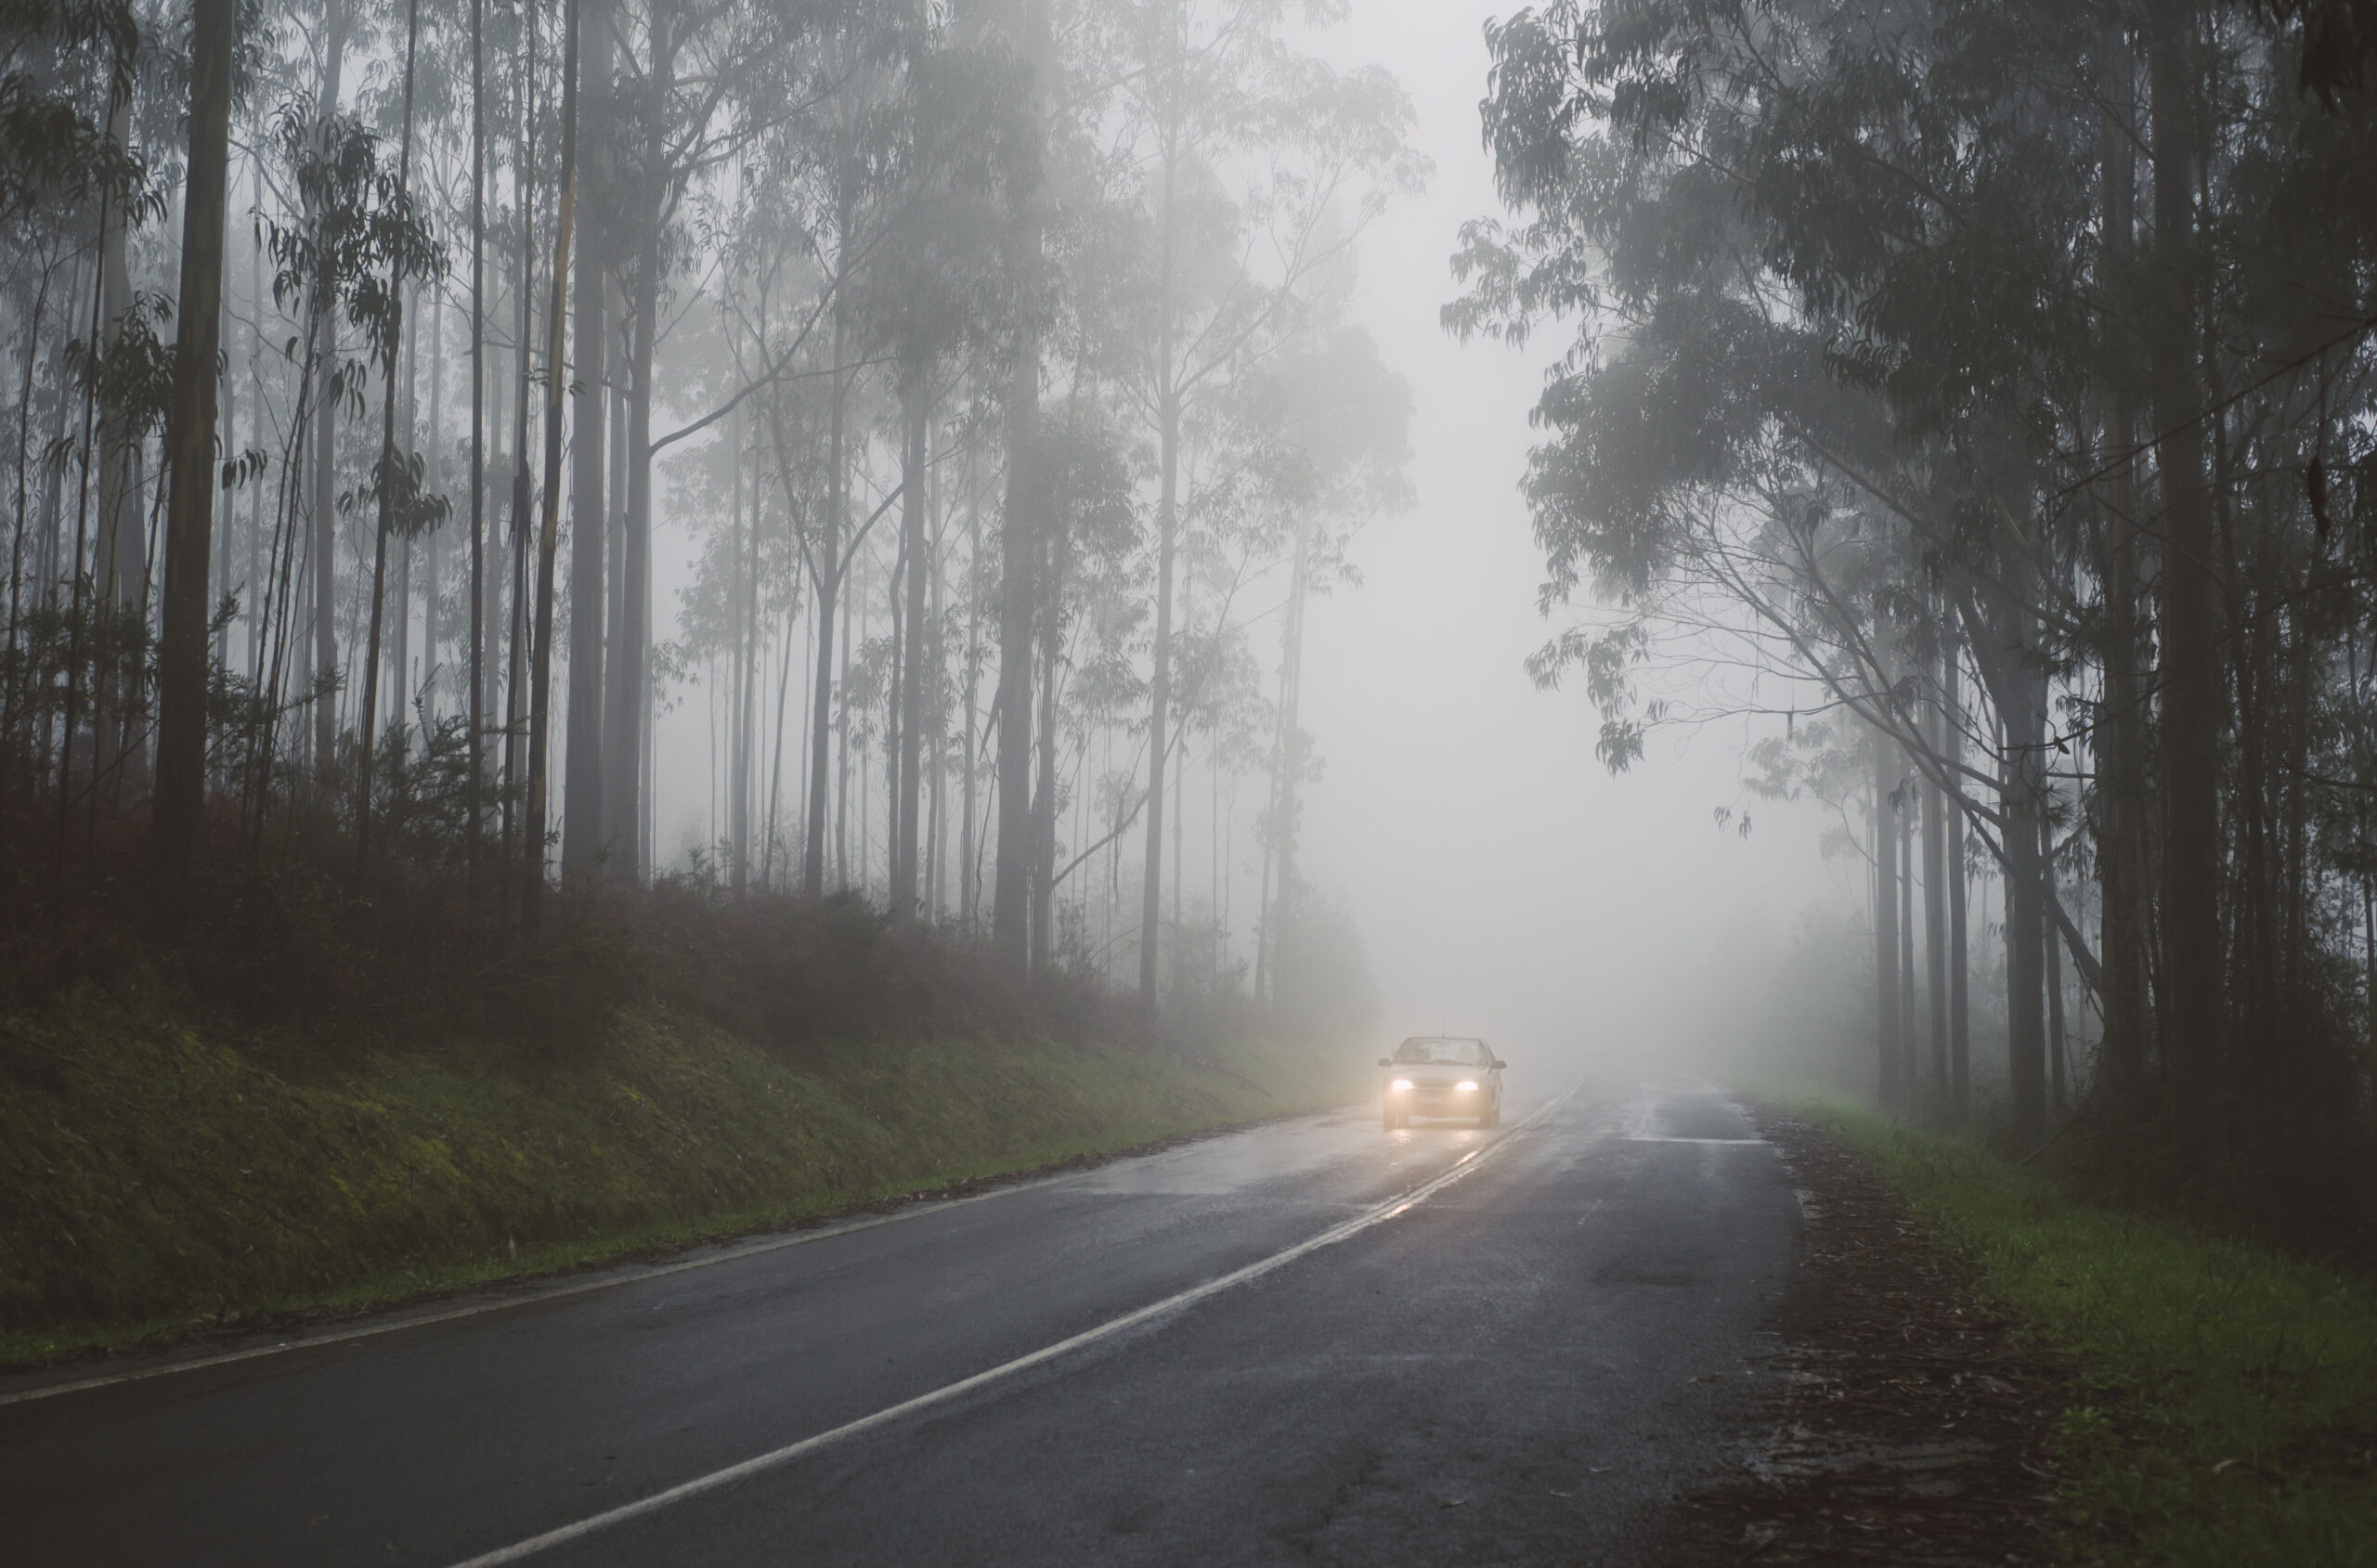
column 2225, row 1411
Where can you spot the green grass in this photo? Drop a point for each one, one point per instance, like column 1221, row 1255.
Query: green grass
column 2225, row 1411
column 159, row 1182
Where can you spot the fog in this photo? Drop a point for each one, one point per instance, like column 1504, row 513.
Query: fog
column 1506, row 882
column 1037, row 295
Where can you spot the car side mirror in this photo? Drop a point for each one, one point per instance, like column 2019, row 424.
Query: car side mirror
column 1386, row 1061
column 1499, row 1062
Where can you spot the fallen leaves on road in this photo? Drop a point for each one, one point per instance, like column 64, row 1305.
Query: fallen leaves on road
column 1910, row 1425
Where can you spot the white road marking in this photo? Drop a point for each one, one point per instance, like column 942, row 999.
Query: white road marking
column 1657, row 1138
column 1173, row 1303
column 531, row 1297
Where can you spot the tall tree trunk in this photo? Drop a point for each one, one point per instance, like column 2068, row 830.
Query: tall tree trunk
column 967, row 893
column 524, row 289
column 631, row 677
column 2055, row 1038
column 583, row 822
column 54, row 572
column 389, row 463
column 1909, row 1078
column 2121, row 791
column 1167, row 530
column 1056, row 565
column 916, row 396
column 840, row 737
column 2006, row 646
column 2023, row 803
column 324, row 315
column 256, row 595
column 1935, row 904
column 2191, row 651
column 532, row 891
column 892, row 686
column 1959, row 949
column 615, row 553
column 746, row 536
column 476, row 731
column 1890, row 1048
column 1287, row 770
column 120, row 567
column 829, row 582
column 222, row 590
column 431, row 554
column 2120, row 786
column 936, row 890
column 1159, row 701
column 433, row 597
column 1019, row 546
column 400, row 687
column 179, row 801
column 783, row 686
column 15, row 688
column 77, row 649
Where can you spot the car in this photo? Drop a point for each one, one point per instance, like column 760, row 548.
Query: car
column 1442, row 1075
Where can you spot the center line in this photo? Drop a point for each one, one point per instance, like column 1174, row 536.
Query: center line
column 791, row 1451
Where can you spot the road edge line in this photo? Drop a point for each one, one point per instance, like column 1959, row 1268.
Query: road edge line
column 530, row 1297
column 1343, row 1230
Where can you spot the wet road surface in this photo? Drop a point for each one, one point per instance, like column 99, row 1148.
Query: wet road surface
column 1314, row 1341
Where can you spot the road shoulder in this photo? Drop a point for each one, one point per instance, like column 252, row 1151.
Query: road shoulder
column 1907, row 1422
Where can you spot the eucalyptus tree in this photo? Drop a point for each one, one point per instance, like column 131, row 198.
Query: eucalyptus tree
column 873, row 182
column 1822, row 450
column 595, row 191
column 1024, row 29
column 1251, row 170
column 532, row 894
column 1330, row 427
column 929, row 296
column 698, row 84
column 396, row 477
column 1877, row 304
column 331, row 371
column 1085, row 501
column 72, row 79
column 680, row 119
column 179, row 811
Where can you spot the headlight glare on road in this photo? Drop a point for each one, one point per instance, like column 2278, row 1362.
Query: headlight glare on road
column 1400, row 1083
column 1465, row 1084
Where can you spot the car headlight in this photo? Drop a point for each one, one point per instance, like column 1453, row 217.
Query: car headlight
column 1465, row 1084
column 1400, row 1083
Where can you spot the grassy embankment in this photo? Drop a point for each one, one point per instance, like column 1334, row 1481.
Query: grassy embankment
column 2226, row 1412
column 159, row 1182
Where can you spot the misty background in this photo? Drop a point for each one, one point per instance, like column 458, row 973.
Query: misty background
column 1504, row 882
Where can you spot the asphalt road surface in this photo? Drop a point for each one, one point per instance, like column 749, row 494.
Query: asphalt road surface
column 1312, row 1341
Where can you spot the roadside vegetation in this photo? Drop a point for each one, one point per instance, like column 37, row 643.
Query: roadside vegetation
column 2224, row 1407
column 164, row 1182
column 305, row 1101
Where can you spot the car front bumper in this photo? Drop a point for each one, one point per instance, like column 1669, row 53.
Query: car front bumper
column 1439, row 1100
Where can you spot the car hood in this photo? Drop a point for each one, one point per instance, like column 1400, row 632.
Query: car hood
column 1435, row 1072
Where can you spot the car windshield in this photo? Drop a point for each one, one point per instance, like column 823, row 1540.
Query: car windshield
column 1458, row 1053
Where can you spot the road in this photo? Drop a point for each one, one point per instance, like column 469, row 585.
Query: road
column 1437, row 1345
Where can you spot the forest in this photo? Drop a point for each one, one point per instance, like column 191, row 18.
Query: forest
column 431, row 423
column 671, row 879
column 953, row 407
column 1983, row 390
